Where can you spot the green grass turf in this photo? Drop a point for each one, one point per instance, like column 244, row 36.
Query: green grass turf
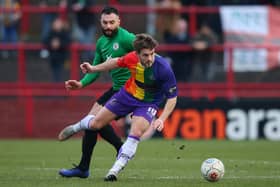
column 158, row 163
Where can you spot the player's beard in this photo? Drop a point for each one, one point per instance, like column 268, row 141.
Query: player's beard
column 112, row 33
column 147, row 64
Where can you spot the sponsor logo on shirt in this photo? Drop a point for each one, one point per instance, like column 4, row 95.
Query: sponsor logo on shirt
column 108, row 57
column 172, row 90
column 116, row 46
column 151, row 77
column 103, row 50
column 113, row 101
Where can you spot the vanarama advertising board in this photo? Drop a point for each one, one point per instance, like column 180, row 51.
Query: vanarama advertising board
column 223, row 119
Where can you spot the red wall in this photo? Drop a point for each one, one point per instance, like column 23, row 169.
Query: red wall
column 42, row 118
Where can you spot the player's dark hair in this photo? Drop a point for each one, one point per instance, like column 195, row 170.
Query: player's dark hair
column 110, row 10
column 144, row 41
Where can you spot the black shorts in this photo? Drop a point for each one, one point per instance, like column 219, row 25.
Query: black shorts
column 106, row 96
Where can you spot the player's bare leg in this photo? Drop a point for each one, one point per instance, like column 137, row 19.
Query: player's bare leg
column 89, row 141
column 89, row 122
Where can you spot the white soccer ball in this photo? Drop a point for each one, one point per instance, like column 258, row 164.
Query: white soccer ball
column 212, row 169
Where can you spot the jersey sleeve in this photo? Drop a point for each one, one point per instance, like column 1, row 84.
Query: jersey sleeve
column 128, row 41
column 91, row 77
column 169, row 82
column 128, row 61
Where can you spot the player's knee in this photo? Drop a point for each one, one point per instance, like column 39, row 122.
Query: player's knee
column 96, row 124
column 136, row 133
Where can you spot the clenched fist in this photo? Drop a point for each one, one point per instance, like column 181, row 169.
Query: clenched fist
column 158, row 124
column 86, row 67
column 73, row 85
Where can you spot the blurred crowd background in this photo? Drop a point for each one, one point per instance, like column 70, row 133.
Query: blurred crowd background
column 64, row 22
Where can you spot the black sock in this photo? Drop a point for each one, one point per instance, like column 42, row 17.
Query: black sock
column 108, row 134
column 89, row 141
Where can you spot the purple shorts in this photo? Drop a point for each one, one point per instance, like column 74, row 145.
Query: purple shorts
column 123, row 103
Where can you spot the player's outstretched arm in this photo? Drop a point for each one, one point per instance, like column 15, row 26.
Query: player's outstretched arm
column 105, row 66
column 73, row 85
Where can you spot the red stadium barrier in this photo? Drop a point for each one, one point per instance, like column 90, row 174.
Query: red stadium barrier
column 227, row 89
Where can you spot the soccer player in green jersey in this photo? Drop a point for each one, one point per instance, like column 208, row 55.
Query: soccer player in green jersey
column 114, row 42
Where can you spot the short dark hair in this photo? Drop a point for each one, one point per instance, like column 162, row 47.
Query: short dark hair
column 144, row 41
column 109, row 10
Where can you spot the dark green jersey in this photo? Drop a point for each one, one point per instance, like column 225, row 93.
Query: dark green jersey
column 111, row 47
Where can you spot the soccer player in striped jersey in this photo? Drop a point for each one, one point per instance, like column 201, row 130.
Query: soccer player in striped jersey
column 152, row 82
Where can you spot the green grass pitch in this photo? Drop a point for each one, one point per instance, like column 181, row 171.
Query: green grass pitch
column 158, row 163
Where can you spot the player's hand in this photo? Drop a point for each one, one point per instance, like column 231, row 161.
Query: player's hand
column 73, row 85
column 86, row 67
column 158, row 125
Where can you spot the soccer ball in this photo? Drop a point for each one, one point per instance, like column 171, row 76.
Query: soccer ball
column 212, row 169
